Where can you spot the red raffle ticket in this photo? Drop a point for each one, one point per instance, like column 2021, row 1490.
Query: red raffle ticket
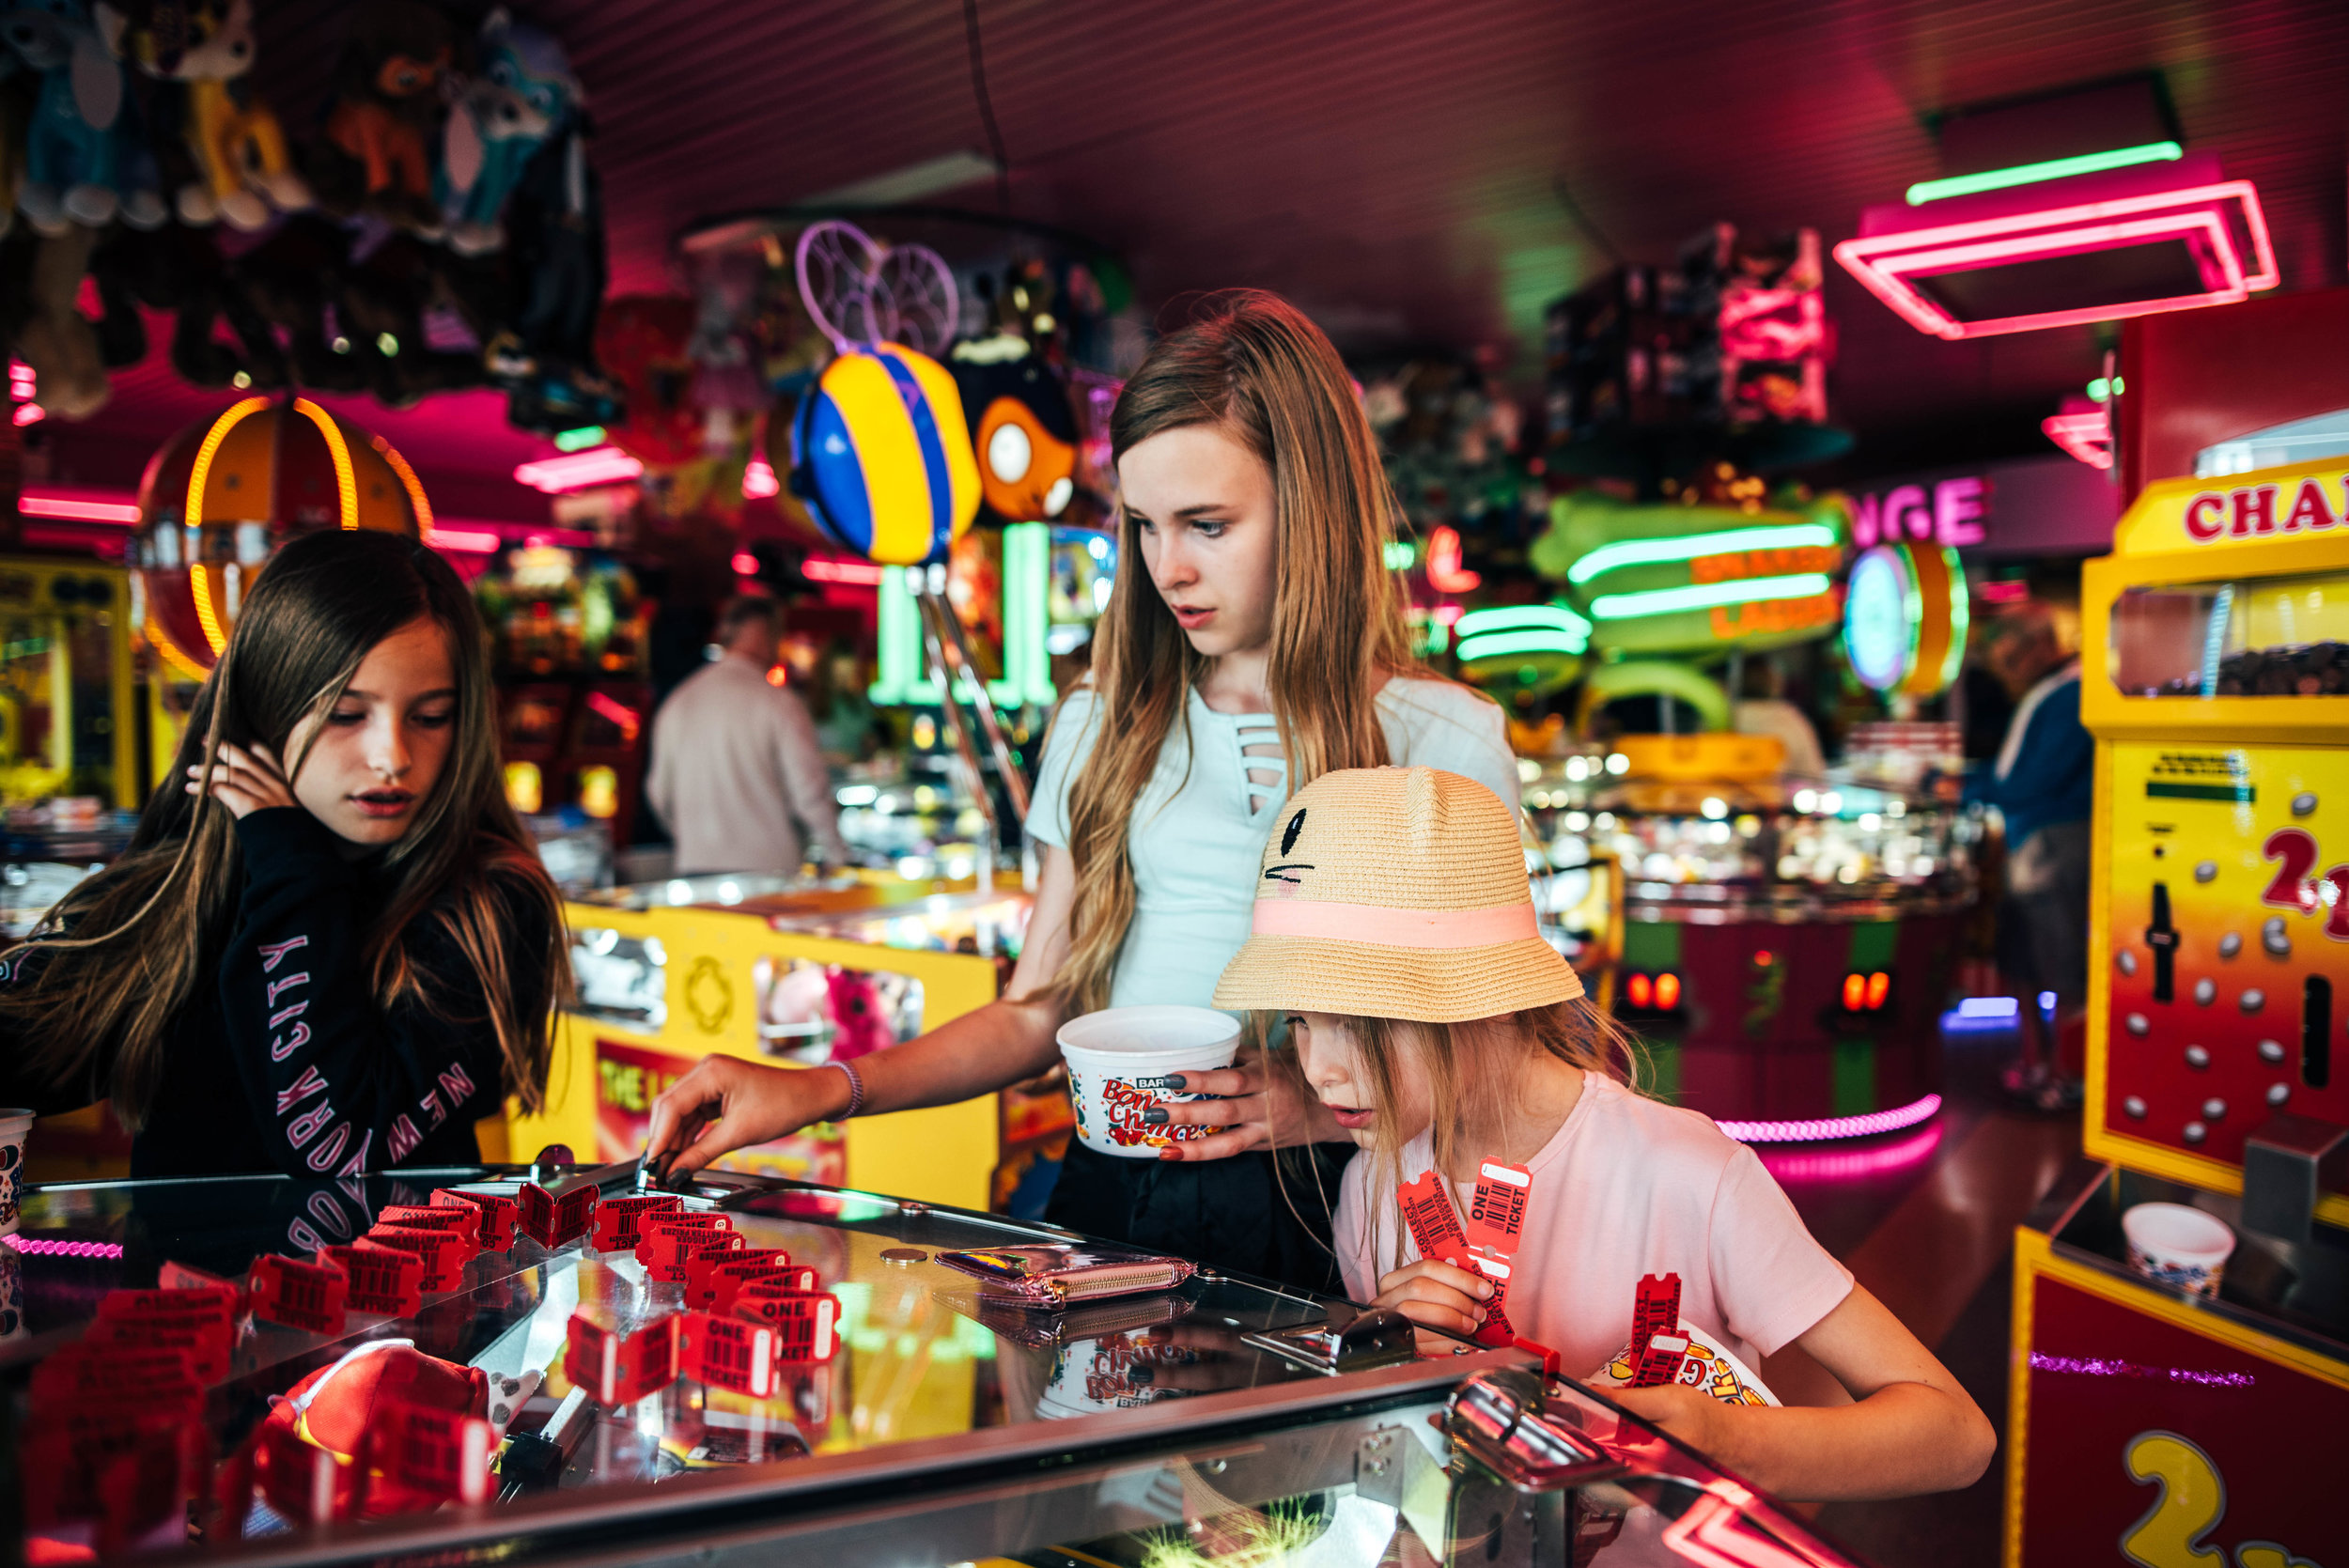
column 806, row 1322
column 84, row 1374
column 621, row 1370
column 674, row 1255
column 499, row 1214
column 1496, row 1218
column 620, row 1220
column 444, row 1254
column 553, row 1222
column 379, row 1279
column 1496, row 1328
column 1659, row 1364
column 465, row 1220
column 124, row 1468
column 1656, row 1311
column 1434, row 1225
column 711, row 1282
column 797, row 1279
column 652, row 1228
column 203, row 1338
column 179, row 1276
column 299, row 1294
column 136, row 1303
column 305, row 1482
column 438, row 1452
column 727, row 1353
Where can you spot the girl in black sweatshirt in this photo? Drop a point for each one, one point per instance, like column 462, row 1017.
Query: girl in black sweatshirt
column 332, row 948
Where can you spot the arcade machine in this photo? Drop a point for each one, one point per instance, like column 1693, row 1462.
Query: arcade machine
column 575, row 711
column 2188, row 1422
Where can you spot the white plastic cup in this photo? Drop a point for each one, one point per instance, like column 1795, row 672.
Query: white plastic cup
column 1118, row 1061
column 15, row 1126
column 2174, row 1245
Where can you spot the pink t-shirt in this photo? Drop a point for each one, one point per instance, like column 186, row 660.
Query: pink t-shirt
column 1628, row 1186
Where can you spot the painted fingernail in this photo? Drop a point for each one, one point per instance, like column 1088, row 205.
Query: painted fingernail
column 1171, row 1152
column 1154, row 1117
column 1175, row 1081
column 1144, row 1374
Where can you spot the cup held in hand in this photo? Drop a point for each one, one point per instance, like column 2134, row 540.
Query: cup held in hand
column 1119, row 1061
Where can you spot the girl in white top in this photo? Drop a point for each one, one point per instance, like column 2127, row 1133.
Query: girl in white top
column 1261, row 645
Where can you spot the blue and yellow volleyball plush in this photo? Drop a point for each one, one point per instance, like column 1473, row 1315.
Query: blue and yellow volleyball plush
column 883, row 456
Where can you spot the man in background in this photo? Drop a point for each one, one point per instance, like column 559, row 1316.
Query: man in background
column 2042, row 782
column 738, row 775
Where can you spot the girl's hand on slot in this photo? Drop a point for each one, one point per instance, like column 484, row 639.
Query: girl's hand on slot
column 1256, row 1109
column 1692, row 1415
column 725, row 1103
column 1436, row 1296
column 245, row 780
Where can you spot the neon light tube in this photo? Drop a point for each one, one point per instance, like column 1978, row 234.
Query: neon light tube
column 1704, row 595
column 578, row 440
column 1520, row 618
column 78, row 512
column 1503, row 644
column 1822, row 1129
column 2085, row 436
column 605, row 465
column 863, row 574
column 2032, row 174
column 346, row 481
column 1687, row 547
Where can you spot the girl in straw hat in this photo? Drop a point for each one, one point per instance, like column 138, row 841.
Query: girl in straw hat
column 1393, row 931
column 1255, row 641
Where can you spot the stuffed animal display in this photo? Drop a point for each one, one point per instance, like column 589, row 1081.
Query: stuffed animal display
column 441, row 226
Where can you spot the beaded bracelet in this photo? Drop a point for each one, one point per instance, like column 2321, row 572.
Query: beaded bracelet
column 856, row 1090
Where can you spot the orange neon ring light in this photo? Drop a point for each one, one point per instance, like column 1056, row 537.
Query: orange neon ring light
column 409, row 481
column 199, row 578
column 346, row 481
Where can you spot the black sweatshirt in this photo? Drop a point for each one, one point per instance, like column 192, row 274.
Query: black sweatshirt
column 288, row 1064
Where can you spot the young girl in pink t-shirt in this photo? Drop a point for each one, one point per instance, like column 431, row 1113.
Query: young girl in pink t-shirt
column 1395, row 933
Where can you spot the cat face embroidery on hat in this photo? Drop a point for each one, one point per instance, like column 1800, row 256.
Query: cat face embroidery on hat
column 1395, row 893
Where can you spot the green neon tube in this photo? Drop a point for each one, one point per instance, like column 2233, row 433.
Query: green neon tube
column 1704, row 595
column 1505, row 644
column 904, row 664
column 2032, row 174
column 1687, row 547
column 1521, row 617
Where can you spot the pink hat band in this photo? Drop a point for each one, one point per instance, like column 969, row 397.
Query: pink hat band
column 1383, row 925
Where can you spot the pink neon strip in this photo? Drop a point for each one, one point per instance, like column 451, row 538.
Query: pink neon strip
column 1825, row 1129
column 863, row 574
column 2085, row 436
column 465, row 539
column 42, row 1247
column 2067, row 242
column 1385, row 927
column 1879, row 260
column 75, row 510
column 604, row 465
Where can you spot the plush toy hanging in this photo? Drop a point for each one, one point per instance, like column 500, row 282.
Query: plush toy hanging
column 882, row 453
column 1022, row 429
column 236, row 164
column 523, row 98
column 87, row 158
column 376, row 156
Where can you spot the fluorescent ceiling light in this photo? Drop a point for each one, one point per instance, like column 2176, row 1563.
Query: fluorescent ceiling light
column 2032, row 174
column 1688, row 546
column 930, row 178
column 1705, row 596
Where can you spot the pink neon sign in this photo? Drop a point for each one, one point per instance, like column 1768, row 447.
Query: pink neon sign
column 2087, row 436
column 1950, row 513
column 1888, row 264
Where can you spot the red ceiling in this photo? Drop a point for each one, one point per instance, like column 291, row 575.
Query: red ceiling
column 1397, row 168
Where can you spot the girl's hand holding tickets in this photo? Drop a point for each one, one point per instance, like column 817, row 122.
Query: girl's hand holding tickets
column 1436, row 1296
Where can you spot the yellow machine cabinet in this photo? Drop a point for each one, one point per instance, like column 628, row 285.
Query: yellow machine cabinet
column 794, row 979
column 67, row 722
column 2214, row 675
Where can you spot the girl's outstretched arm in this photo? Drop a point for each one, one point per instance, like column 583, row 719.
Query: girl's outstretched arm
column 1913, row 1428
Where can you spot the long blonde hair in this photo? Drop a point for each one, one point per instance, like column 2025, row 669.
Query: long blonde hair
column 103, row 981
column 1577, row 1032
column 1251, row 364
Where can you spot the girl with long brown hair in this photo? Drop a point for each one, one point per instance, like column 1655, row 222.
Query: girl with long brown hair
column 1255, row 641
column 331, row 947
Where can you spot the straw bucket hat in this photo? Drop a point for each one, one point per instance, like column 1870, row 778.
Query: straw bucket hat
column 1395, row 893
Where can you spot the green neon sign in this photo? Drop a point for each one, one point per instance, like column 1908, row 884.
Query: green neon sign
column 1706, row 595
column 1619, row 553
column 1523, row 617
column 1507, row 644
column 2032, row 174
column 1027, row 678
column 578, row 440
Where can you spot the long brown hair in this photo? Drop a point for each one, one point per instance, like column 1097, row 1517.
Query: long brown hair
column 1251, row 364
column 109, row 971
column 1577, row 1033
